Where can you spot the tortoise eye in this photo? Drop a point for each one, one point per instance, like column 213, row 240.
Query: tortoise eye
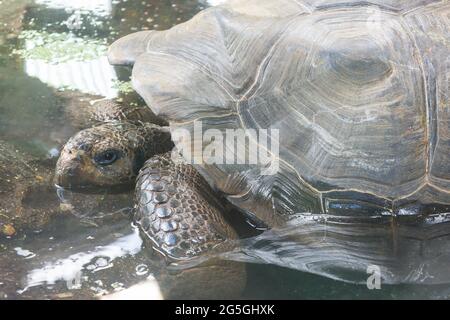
column 106, row 158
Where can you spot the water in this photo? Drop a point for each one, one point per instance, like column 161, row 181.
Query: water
column 88, row 248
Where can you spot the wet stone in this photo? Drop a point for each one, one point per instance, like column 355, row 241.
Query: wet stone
column 168, row 226
column 170, row 239
column 161, row 198
column 163, row 212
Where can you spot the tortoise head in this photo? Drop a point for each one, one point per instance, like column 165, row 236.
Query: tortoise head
column 109, row 155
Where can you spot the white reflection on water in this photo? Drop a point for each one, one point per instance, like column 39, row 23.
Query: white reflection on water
column 27, row 254
column 98, row 7
column 69, row 268
column 95, row 76
column 342, row 248
column 215, row 2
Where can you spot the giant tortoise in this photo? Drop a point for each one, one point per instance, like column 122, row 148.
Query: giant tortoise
column 355, row 92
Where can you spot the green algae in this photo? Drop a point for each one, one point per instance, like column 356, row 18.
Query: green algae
column 59, row 47
column 124, row 87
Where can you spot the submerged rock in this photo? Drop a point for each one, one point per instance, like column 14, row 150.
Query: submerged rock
column 27, row 197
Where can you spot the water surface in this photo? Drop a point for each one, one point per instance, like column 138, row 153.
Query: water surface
column 52, row 63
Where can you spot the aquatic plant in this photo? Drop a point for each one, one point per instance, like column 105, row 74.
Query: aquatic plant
column 59, row 47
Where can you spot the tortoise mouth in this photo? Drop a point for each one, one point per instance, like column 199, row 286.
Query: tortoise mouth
column 68, row 179
column 92, row 189
column 73, row 178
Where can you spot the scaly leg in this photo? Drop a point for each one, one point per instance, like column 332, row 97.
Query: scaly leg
column 180, row 214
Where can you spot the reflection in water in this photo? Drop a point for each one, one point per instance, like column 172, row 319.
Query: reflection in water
column 27, row 254
column 414, row 251
column 100, row 257
column 215, row 2
column 89, row 74
column 342, row 248
column 55, row 51
column 98, row 7
column 65, row 60
column 94, row 76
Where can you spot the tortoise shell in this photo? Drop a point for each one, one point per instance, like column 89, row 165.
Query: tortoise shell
column 358, row 90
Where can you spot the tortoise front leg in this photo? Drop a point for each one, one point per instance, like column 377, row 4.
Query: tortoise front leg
column 180, row 214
